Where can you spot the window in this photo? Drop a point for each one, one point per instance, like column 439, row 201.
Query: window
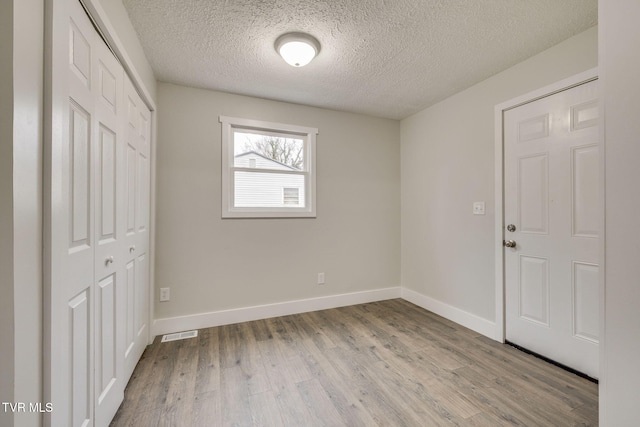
column 268, row 169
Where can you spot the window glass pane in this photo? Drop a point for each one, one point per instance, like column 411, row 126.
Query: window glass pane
column 264, row 151
column 267, row 190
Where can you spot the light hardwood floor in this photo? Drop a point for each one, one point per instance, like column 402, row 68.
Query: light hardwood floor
column 387, row 363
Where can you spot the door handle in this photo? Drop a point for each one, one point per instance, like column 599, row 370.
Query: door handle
column 132, row 248
column 511, row 228
column 109, row 260
column 509, row 243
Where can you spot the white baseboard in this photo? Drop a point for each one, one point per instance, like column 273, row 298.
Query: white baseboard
column 226, row 317
column 246, row 314
column 461, row 317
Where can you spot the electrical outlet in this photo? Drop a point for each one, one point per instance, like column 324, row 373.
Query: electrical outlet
column 320, row 278
column 165, row 294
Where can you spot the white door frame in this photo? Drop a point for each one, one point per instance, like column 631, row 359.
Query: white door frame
column 560, row 86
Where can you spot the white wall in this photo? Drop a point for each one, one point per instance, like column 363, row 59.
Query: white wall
column 447, row 163
column 619, row 70
column 213, row 264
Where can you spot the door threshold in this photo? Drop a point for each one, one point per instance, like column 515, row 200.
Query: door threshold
column 553, row 362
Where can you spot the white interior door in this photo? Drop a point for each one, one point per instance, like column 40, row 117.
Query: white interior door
column 89, row 175
column 552, row 215
column 137, row 200
column 74, row 233
column 109, row 310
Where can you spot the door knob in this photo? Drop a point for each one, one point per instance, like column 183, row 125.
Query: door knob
column 511, row 228
column 132, row 248
column 109, row 260
column 510, row 243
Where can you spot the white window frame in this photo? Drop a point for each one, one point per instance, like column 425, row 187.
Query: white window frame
column 307, row 134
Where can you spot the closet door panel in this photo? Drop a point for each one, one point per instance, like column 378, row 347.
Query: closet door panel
column 107, row 164
column 96, row 261
column 81, row 357
column 137, row 125
column 105, row 354
column 110, row 260
column 130, row 304
column 143, row 225
column 72, row 229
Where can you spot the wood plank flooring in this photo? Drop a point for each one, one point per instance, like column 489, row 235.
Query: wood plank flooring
column 387, row 363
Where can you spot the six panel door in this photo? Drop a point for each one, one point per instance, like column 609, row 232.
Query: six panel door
column 551, row 197
column 137, row 201
column 109, row 307
column 89, row 228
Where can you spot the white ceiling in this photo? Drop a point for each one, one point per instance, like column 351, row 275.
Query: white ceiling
column 387, row 58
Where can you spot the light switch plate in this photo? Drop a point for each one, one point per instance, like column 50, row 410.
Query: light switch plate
column 478, row 208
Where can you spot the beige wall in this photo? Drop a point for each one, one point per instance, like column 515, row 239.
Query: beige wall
column 28, row 80
column 619, row 70
column 21, row 91
column 6, row 211
column 447, row 163
column 213, row 264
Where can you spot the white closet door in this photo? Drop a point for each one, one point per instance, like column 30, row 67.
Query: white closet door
column 73, row 230
column 87, row 176
column 137, row 201
column 109, row 309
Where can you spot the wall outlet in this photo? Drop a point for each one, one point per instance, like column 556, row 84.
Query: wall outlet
column 478, row 208
column 320, row 278
column 165, row 294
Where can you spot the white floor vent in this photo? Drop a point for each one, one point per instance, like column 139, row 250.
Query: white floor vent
column 179, row 336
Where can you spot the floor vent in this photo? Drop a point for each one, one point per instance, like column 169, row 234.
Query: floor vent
column 179, row 336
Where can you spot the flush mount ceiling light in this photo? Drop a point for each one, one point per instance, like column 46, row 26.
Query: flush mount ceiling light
column 297, row 49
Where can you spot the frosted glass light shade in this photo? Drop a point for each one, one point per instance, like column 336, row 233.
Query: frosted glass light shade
column 297, row 49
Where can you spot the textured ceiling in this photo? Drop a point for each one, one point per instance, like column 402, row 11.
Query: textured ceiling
column 387, row 58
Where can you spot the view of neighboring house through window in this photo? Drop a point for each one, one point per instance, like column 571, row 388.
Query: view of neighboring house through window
column 268, row 169
column 291, row 196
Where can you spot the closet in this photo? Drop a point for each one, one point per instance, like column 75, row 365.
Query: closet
column 97, row 211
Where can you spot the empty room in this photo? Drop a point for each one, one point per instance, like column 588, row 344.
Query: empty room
column 308, row 213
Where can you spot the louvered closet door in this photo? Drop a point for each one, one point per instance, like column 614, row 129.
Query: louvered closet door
column 137, row 200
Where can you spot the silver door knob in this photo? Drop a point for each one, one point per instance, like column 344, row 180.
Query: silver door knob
column 109, row 260
column 510, row 243
column 511, row 228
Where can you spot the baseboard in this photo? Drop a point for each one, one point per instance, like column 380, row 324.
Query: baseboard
column 226, row 317
column 246, row 314
column 461, row 317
